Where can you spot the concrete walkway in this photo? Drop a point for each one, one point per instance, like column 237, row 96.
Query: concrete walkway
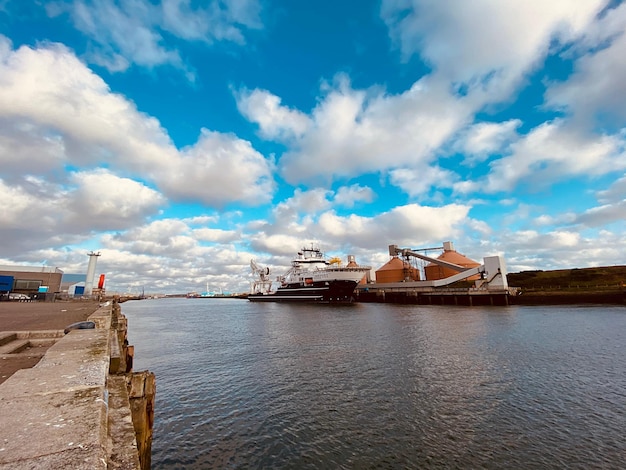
column 32, row 317
column 58, row 414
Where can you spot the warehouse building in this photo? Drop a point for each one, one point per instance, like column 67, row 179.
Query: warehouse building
column 30, row 280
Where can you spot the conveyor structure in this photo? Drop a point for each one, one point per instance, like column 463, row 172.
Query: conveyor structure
column 492, row 271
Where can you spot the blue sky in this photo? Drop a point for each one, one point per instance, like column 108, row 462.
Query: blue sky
column 181, row 139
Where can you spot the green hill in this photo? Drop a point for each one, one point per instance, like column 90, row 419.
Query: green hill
column 570, row 286
column 607, row 276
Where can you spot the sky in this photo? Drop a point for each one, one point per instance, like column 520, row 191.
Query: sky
column 181, row 139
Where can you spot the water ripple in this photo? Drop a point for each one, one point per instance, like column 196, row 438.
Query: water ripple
column 242, row 385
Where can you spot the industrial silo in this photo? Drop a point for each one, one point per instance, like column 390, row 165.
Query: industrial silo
column 353, row 264
column 434, row 271
column 397, row 270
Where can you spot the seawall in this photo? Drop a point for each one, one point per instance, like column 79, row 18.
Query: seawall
column 473, row 297
column 80, row 406
column 398, row 293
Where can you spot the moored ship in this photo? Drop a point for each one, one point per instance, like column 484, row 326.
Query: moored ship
column 311, row 278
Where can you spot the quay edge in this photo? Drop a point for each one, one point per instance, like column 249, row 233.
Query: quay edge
column 81, row 406
column 405, row 293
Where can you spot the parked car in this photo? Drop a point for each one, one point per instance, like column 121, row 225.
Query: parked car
column 18, row 296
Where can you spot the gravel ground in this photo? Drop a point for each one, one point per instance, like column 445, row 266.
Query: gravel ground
column 33, row 316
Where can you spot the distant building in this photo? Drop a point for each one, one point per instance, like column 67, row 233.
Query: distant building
column 72, row 279
column 33, row 279
column 76, row 290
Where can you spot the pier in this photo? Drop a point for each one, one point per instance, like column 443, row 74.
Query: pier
column 452, row 284
column 411, row 293
column 81, row 406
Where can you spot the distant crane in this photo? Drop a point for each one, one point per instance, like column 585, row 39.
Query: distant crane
column 262, row 283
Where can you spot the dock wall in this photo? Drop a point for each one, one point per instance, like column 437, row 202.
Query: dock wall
column 401, row 294
column 81, row 406
column 405, row 294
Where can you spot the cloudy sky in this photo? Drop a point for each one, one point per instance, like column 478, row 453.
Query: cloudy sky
column 182, row 138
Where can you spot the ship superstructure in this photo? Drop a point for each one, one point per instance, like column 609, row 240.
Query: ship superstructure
column 311, row 278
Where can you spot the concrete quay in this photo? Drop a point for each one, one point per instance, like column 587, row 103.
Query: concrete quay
column 80, row 406
column 412, row 293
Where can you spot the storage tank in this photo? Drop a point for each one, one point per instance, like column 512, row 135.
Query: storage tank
column 353, row 264
column 397, row 270
column 434, row 271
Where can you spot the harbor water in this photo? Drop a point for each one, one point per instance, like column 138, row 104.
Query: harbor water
column 264, row 385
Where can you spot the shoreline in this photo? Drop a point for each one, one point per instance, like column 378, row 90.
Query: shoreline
column 569, row 297
column 406, row 294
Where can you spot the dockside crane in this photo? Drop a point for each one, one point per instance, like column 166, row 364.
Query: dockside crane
column 262, row 283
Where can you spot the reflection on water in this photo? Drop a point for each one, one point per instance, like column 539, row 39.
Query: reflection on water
column 254, row 385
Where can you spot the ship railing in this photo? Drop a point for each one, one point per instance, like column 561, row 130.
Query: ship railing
column 347, row 268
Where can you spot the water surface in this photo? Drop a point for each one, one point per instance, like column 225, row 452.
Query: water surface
column 255, row 385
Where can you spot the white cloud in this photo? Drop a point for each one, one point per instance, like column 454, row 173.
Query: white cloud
column 181, row 272
column 158, row 231
column 597, row 88
column 223, row 20
column 552, row 152
column 282, row 245
column 352, row 132
column 40, row 213
column 27, row 207
column 73, row 115
column 367, row 237
column 485, row 46
column 312, row 201
column 407, row 225
column 216, row 235
column 55, row 113
column 614, row 193
column 603, row 215
column 218, row 169
column 28, row 148
column 466, row 187
column 419, row 180
column 109, row 201
column 129, row 33
column 612, row 208
column 201, row 220
column 480, row 140
column 173, row 240
column 275, row 121
column 171, row 255
column 68, row 116
column 158, row 237
column 561, row 249
column 476, row 63
column 123, row 34
column 479, row 227
column 347, row 196
column 415, row 224
column 549, row 221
